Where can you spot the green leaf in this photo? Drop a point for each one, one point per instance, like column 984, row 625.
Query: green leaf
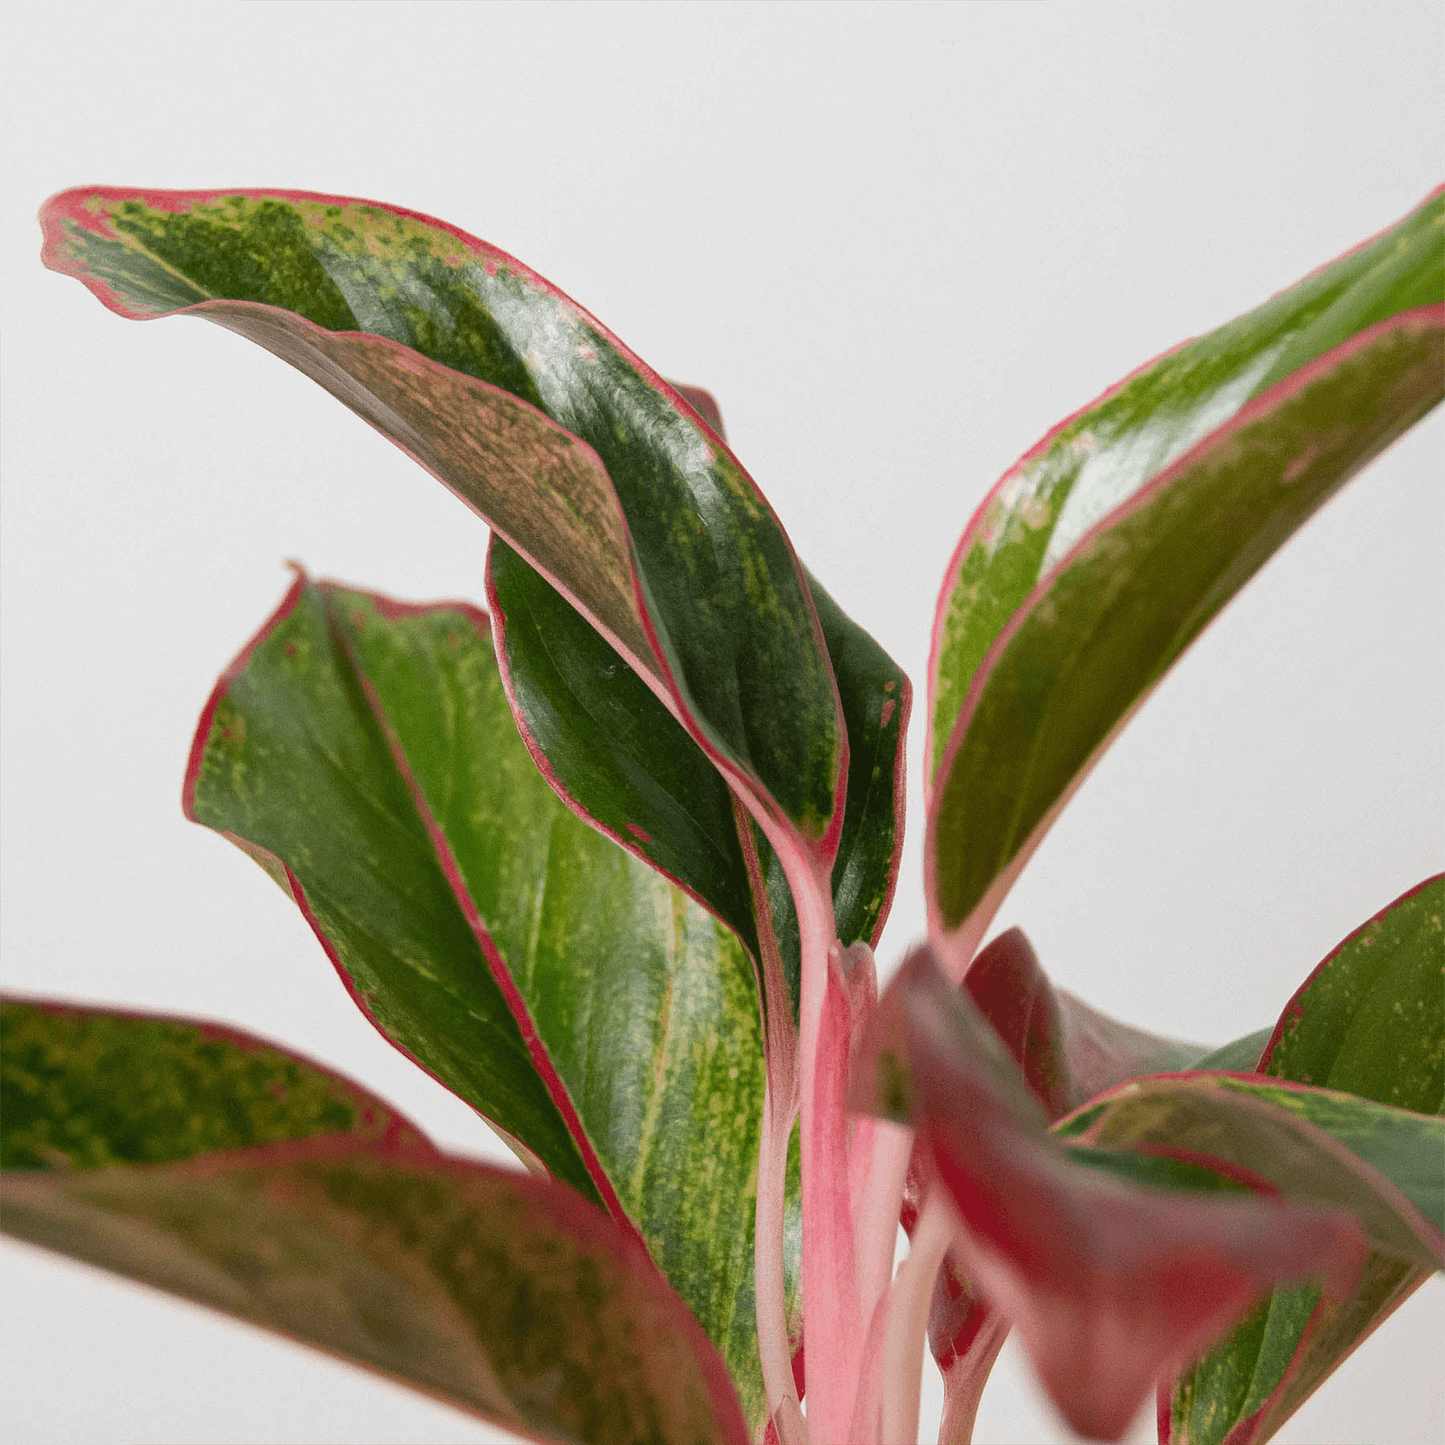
column 566, row 991
column 604, row 737
column 1386, row 1166
column 81, row 1088
column 877, row 700
column 1104, row 553
column 1239, row 1056
column 583, row 458
column 287, row 1196
column 1369, row 1020
column 504, row 1295
column 617, row 755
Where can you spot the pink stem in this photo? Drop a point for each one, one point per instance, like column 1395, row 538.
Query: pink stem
column 830, row 1285
column 774, row 1350
column 907, row 1303
column 880, row 1169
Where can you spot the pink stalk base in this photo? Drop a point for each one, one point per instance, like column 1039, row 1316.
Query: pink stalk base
column 830, row 1285
column 905, row 1313
column 769, row 1285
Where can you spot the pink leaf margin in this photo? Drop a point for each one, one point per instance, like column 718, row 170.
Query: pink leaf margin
column 956, row 946
column 568, row 1210
column 975, row 525
column 501, row 974
column 69, row 206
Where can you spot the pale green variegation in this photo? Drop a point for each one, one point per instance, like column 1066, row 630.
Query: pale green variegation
column 1106, row 453
column 668, row 676
column 239, row 1175
column 567, row 992
column 1099, row 560
column 571, row 447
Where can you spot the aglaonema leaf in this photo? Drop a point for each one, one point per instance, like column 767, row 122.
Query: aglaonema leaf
column 1068, row 1051
column 1107, row 549
column 235, row 1174
column 1110, row 1284
column 590, row 464
column 626, row 764
column 365, row 752
column 81, row 1088
column 1369, row 1020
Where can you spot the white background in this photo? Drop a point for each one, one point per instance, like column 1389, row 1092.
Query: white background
column 898, row 243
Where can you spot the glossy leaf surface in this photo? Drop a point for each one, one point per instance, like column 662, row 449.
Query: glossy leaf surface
column 628, row 764
column 586, row 460
column 81, row 1088
column 1369, row 1020
column 1110, row 1284
column 625, row 763
column 1105, row 552
column 366, row 752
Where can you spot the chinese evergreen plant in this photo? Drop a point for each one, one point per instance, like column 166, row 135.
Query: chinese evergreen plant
column 609, row 861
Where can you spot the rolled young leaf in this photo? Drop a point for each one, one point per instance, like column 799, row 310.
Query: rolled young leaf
column 1371, row 1020
column 589, row 463
column 238, row 1175
column 364, row 751
column 1099, row 558
column 1110, row 1285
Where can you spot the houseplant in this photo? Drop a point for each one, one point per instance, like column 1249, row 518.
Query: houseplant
column 645, row 1021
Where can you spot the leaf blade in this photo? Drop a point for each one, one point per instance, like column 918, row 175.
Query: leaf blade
column 74, row 1080
column 644, row 517
column 1109, row 1284
column 1105, row 453
column 398, row 1262
column 1331, row 1033
column 370, row 747
column 239, row 1174
column 1045, row 690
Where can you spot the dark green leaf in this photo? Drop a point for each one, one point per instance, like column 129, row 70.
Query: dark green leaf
column 1108, row 551
column 1110, row 450
column 602, row 735
column 617, row 754
column 1369, row 1020
column 586, row 460
column 877, row 699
